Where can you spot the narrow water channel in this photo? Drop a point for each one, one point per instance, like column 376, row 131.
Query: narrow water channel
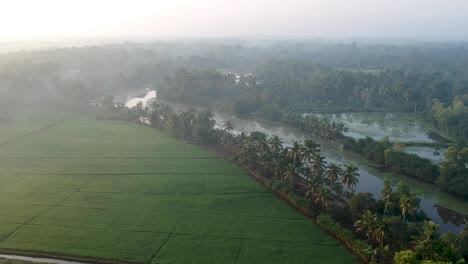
column 442, row 208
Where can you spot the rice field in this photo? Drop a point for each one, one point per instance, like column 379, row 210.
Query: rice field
column 110, row 190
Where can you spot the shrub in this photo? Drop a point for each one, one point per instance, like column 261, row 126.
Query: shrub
column 357, row 246
column 405, row 257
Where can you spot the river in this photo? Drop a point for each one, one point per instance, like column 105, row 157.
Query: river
column 440, row 207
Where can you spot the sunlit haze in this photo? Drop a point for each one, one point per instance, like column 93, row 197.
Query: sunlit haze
column 25, row 20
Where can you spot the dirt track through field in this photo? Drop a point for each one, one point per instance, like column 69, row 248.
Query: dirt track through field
column 39, row 260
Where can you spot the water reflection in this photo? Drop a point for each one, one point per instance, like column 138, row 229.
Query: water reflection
column 379, row 125
column 433, row 154
column 370, row 180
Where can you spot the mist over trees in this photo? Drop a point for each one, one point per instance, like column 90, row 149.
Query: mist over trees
column 270, row 79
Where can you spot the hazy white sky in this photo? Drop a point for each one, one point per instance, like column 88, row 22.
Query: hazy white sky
column 410, row 19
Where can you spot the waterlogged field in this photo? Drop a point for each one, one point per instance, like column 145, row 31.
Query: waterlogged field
column 118, row 191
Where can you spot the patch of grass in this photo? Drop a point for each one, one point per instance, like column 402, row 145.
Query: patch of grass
column 118, row 191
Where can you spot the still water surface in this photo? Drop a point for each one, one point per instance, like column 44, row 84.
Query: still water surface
column 433, row 202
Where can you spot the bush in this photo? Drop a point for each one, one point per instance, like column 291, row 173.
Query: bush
column 288, row 189
column 411, row 165
column 357, row 246
column 405, row 257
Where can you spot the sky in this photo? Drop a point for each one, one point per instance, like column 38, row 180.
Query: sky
column 34, row 20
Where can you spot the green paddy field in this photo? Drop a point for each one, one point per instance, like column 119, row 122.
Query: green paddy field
column 110, row 190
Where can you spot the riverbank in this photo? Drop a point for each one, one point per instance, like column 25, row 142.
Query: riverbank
column 299, row 203
column 265, row 155
column 439, row 206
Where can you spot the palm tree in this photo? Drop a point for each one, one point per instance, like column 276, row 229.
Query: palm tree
column 380, row 232
column 333, row 173
column 367, row 224
column 310, row 148
column 248, row 152
column 406, row 206
column 317, row 164
column 228, row 126
column 349, row 177
column 280, row 166
column 275, row 144
column 295, row 153
column 262, row 144
column 387, row 193
column 426, row 242
column 322, row 198
column 290, row 172
column 313, row 185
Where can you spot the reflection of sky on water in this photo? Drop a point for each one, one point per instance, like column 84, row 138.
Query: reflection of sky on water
column 368, row 182
column 427, row 153
column 333, row 153
column 134, row 101
column 379, row 125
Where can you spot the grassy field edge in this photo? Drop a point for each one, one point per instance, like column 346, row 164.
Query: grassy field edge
column 285, row 197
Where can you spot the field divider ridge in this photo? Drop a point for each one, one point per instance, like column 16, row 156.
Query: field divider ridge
column 44, row 212
column 30, row 133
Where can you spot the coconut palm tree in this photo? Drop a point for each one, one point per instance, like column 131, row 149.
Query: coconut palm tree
column 313, row 185
column 310, row 148
column 228, row 126
column 322, row 198
column 380, row 232
column 248, row 152
column 333, row 173
column 349, row 177
column 275, row 144
column 261, row 140
column 289, row 173
column 406, row 206
column 367, row 224
column 295, row 153
column 425, row 244
column 387, row 193
column 280, row 166
column 317, row 164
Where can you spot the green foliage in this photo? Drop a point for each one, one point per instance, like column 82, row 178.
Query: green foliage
column 452, row 119
column 406, row 257
column 451, row 177
column 454, row 171
column 118, row 191
column 358, row 246
column 371, row 149
column 411, row 165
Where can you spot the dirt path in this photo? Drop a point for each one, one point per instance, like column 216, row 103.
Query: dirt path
column 39, row 260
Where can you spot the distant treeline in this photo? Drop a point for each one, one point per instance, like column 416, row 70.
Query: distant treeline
column 284, row 87
column 269, row 80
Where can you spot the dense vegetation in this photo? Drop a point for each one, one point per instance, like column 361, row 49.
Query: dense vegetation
column 454, row 172
column 251, row 78
column 451, row 177
column 452, row 119
column 280, row 81
column 382, row 226
column 102, row 190
column 284, row 87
